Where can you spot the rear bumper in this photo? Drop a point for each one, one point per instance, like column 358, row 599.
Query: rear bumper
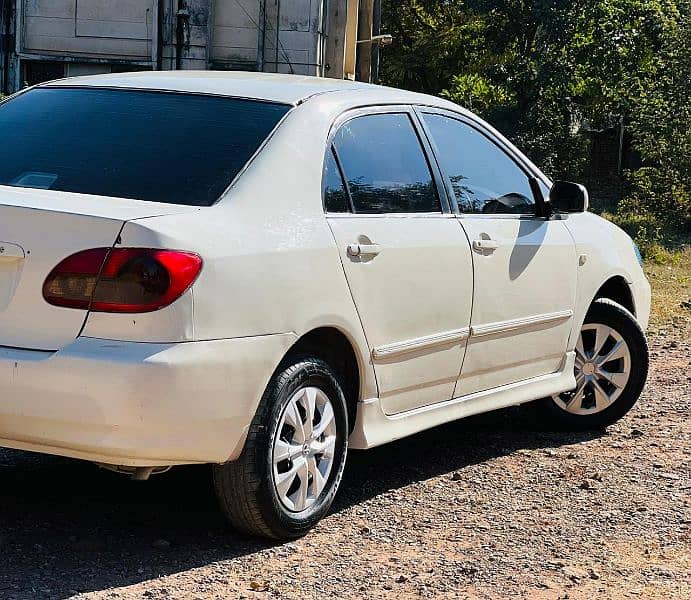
column 136, row 404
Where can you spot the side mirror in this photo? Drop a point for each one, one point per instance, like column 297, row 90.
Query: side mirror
column 568, row 197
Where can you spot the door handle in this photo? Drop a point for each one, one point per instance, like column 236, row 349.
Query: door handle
column 482, row 245
column 356, row 250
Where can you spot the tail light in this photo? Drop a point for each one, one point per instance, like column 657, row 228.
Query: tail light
column 121, row 280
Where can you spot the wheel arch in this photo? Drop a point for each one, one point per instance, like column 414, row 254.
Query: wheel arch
column 335, row 347
column 617, row 289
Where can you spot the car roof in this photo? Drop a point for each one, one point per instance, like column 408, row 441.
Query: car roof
column 286, row 89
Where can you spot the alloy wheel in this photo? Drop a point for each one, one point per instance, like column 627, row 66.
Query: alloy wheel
column 602, row 370
column 304, row 449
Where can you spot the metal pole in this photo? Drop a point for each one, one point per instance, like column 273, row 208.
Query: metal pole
column 376, row 31
column 160, row 21
column 278, row 30
column 321, row 46
column 261, row 43
column 4, row 44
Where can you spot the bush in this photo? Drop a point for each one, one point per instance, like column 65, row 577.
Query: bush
column 660, row 201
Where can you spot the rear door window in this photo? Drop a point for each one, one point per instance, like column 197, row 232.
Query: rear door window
column 385, row 166
column 156, row 146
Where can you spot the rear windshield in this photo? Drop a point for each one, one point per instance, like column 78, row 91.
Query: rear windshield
column 157, row 146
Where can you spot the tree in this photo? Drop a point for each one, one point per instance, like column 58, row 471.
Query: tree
column 538, row 70
column 661, row 124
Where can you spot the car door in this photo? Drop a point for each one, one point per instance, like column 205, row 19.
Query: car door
column 524, row 265
column 406, row 260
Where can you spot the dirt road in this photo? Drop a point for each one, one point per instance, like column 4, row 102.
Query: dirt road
column 483, row 508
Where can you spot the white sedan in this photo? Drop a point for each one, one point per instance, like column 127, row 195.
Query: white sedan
column 260, row 271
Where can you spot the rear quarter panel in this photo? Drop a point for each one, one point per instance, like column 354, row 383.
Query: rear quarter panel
column 270, row 261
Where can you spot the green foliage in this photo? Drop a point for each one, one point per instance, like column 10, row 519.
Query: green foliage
column 544, row 71
column 538, row 70
column 661, row 124
column 477, row 93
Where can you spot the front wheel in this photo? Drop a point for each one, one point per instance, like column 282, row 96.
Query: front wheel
column 290, row 469
column 611, row 369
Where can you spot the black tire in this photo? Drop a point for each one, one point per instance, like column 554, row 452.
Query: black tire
column 605, row 312
column 245, row 488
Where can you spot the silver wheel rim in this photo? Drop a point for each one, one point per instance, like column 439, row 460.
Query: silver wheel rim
column 602, row 370
column 304, row 449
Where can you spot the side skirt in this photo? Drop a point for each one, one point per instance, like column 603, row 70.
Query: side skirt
column 374, row 428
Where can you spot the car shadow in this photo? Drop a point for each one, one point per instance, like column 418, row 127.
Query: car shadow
column 68, row 527
column 531, row 236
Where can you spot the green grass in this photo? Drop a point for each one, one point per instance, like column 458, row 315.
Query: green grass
column 669, row 273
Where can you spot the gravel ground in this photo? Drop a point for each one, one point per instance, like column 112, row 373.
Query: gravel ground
column 482, row 508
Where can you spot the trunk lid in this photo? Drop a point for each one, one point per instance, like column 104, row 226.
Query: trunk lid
column 38, row 229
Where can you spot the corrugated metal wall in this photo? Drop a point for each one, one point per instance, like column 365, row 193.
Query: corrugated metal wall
column 56, row 38
column 88, row 28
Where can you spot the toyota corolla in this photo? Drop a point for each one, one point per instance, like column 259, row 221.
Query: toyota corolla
column 260, row 271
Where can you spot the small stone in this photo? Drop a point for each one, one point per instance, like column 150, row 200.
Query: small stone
column 161, row 544
column 401, row 578
column 585, row 485
column 258, row 586
column 456, row 476
column 575, row 573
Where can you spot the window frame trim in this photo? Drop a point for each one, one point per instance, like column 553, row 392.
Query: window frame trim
column 478, row 125
column 446, row 209
column 344, row 181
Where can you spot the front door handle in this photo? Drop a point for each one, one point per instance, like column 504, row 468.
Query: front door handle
column 355, row 250
column 482, row 245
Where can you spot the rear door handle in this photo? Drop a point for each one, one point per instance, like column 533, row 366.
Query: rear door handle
column 355, row 250
column 481, row 245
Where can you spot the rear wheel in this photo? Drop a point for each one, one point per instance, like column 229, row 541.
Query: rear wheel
column 611, row 369
column 288, row 474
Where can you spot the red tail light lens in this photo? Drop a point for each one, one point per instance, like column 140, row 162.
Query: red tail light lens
column 121, row 280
